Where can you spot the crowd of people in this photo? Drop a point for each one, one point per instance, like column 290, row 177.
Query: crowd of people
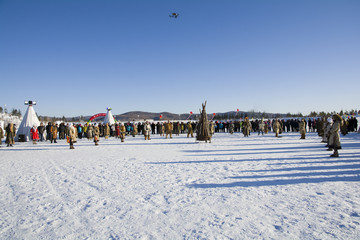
column 328, row 129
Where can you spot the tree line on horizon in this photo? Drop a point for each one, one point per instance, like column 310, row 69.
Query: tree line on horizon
column 217, row 116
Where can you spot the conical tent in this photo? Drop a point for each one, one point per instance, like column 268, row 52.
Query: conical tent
column 109, row 117
column 30, row 119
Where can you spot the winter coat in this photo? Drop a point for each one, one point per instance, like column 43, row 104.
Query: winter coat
column 135, row 130
column 34, row 134
column 1, row 134
column 277, row 127
column 123, row 129
column 72, row 133
column 169, row 127
column 107, row 130
column 117, row 130
column 247, row 127
column 261, row 126
column 90, row 131
column 41, row 129
column 10, row 134
column 96, row 134
column 147, row 129
column 54, row 131
column 334, row 139
column 302, row 127
column 212, row 128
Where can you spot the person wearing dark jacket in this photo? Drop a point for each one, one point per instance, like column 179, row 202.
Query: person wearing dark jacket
column 41, row 130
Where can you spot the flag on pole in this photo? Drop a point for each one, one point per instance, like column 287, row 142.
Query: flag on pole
column 189, row 116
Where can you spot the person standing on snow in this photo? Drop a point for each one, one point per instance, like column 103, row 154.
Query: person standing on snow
column 10, row 135
column 48, row 131
column 54, row 131
column 107, row 131
column 247, row 127
column 147, row 130
column 34, row 132
column 90, row 132
column 72, row 136
column 302, row 128
column 231, row 128
column 122, row 132
column 334, row 139
column 134, row 130
column 169, row 129
column 1, row 135
column 41, row 130
column 261, row 128
column 96, row 135
column 276, row 127
column 190, row 130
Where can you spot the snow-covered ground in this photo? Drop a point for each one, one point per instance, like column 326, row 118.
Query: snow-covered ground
column 259, row 187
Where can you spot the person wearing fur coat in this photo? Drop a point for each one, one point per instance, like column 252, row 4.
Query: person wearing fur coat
column 134, row 130
column 72, row 136
column 276, row 127
column 169, row 129
column 302, row 128
column 334, row 138
column 96, row 135
column 122, row 132
column 147, row 130
column 10, row 135
column 107, row 131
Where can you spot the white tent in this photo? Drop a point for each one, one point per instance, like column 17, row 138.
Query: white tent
column 30, row 119
column 109, row 117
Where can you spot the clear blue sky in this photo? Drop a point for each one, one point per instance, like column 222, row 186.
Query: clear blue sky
column 78, row 57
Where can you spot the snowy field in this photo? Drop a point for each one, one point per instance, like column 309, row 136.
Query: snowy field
column 259, row 187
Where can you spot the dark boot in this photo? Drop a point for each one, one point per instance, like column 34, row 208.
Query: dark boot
column 336, row 154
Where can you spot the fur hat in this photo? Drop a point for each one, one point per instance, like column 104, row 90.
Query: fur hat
column 337, row 117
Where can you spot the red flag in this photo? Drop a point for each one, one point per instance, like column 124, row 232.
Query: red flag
column 189, row 116
column 161, row 116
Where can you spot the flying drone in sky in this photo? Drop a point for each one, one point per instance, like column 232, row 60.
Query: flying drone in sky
column 174, row 15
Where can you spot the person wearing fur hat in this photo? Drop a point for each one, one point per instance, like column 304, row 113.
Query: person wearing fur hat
column 334, row 139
